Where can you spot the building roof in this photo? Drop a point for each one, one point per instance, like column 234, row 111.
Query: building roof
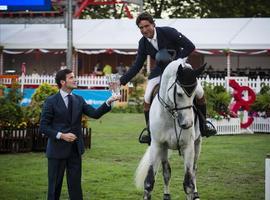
column 214, row 33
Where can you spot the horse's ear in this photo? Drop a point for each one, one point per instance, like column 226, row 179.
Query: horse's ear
column 180, row 69
column 200, row 70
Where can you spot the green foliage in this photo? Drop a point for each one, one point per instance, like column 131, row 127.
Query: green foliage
column 265, row 89
column 33, row 111
column 136, row 96
column 2, row 86
column 128, row 109
column 262, row 102
column 207, row 9
column 218, row 100
column 11, row 114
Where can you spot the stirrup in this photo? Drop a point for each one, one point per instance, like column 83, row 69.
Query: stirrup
column 210, row 129
column 145, row 136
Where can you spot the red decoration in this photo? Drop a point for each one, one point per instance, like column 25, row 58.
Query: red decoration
column 241, row 103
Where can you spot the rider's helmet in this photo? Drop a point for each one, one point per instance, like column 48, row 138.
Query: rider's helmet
column 163, row 58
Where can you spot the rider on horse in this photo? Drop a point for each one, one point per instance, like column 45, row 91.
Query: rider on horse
column 155, row 39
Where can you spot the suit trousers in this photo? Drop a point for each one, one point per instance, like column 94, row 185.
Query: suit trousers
column 56, row 169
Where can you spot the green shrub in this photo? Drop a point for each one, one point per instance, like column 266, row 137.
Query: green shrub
column 136, row 97
column 33, row 111
column 217, row 101
column 262, row 102
column 11, row 114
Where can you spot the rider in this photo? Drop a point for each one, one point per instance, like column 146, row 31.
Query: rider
column 155, row 39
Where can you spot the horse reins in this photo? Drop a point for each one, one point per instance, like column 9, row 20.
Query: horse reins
column 174, row 113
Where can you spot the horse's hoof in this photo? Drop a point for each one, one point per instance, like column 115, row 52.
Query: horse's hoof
column 166, row 197
column 147, row 198
column 196, row 196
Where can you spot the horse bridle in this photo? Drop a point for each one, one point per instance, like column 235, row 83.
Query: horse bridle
column 173, row 111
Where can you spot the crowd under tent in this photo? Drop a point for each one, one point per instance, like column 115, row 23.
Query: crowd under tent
column 224, row 43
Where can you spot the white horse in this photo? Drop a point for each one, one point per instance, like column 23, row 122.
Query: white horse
column 173, row 125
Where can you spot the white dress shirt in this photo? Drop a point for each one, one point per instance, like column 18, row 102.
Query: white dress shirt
column 153, row 40
column 64, row 95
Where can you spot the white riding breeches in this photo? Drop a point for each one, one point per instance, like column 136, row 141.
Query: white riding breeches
column 199, row 93
column 149, row 88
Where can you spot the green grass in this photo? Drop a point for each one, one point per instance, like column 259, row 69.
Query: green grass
column 230, row 167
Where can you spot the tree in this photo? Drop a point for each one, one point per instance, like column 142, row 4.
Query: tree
column 208, row 8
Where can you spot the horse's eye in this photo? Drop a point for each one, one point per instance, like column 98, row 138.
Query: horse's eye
column 179, row 94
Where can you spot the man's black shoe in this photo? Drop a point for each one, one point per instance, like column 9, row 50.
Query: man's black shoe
column 209, row 130
column 145, row 137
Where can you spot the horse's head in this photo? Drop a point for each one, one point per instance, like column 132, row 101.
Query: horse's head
column 182, row 93
column 187, row 77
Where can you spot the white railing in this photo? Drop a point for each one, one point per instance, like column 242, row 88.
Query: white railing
column 227, row 126
column 232, row 126
column 256, row 84
column 100, row 81
column 83, row 81
column 261, row 125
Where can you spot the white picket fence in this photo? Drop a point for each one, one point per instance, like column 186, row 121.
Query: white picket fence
column 83, row 81
column 100, row 81
column 256, row 84
column 232, row 126
column 261, row 125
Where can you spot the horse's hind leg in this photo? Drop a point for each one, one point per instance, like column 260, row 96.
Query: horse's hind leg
column 166, row 174
column 150, row 178
column 149, row 183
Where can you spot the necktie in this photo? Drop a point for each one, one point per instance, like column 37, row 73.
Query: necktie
column 70, row 106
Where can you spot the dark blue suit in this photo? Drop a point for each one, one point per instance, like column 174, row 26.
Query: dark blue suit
column 61, row 154
column 167, row 38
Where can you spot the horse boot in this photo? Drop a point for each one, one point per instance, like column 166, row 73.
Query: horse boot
column 145, row 136
column 207, row 129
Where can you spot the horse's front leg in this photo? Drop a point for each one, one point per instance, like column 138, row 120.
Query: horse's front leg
column 166, row 173
column 188, row 184
column 166, row 177
column 196, row 157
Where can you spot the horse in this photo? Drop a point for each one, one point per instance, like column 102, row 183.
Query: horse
column 173, row 125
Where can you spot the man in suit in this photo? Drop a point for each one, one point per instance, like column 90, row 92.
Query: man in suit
column 61, row 122
column 156, row 39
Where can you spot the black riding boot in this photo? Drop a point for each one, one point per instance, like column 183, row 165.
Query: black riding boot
column 206, row 128
column 145, row 134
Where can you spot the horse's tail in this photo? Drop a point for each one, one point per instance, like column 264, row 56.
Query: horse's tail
column 142, row 169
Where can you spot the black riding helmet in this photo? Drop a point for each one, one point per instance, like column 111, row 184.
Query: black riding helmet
column 163, row 58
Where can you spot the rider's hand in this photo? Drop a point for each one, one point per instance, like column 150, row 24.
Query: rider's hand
column 68, row 137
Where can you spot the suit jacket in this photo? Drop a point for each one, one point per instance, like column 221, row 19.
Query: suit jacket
column 55, row 118
column 167, row 38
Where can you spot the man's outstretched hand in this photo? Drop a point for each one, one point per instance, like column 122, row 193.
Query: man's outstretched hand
column 113, row 99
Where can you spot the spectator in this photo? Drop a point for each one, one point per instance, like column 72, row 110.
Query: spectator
column 63, row 66
column 35, row 74
column 107, row 69
column 98, row 69
column 121, row 69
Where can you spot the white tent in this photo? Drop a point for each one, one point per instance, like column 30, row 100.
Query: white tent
column 229, row 33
